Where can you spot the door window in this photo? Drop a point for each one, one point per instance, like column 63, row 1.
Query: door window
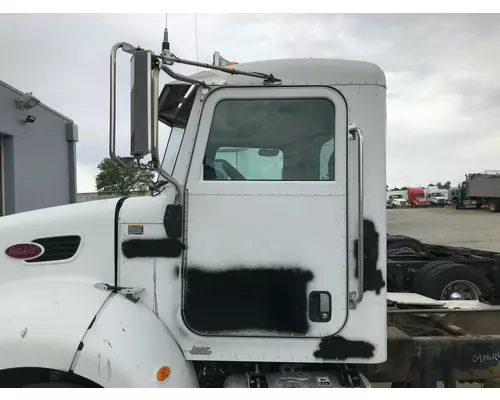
column 272, row 139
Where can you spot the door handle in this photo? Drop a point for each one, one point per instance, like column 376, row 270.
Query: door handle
column 320, row 306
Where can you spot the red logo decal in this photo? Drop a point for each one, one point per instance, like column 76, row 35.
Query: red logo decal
column 25, row 251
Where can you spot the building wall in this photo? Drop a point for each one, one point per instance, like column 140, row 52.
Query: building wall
column 39, row 157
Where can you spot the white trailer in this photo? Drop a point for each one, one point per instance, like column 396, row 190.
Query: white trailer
column 276, row 278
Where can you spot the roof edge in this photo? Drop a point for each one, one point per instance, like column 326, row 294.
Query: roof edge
column 41, row 104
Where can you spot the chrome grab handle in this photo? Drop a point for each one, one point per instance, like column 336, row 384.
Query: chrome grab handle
column 356, row 297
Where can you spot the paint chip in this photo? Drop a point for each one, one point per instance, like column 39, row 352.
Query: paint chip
column 24, row 332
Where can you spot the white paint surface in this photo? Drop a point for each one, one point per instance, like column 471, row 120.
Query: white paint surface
column 45, row 308
column 126, row 347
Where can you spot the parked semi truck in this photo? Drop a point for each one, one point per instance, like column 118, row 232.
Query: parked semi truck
column 441, row 272
column 437, row 199
column 397, row 201
column 211, row 281
column 477, row 190
column 417, row 198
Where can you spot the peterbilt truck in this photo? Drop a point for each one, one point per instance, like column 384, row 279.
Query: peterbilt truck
column 277, row 279
column 477, row 190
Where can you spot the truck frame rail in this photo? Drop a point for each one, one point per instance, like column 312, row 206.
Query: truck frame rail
column 431, row 341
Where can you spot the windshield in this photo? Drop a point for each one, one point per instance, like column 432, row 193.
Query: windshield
column 418, row 195
column 174, row 107
column 172, row 149
column 397, row 196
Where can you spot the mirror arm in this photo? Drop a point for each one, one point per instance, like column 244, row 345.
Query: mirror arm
column 181, row 77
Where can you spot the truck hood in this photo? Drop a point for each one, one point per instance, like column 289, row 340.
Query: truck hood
column 70, row 236
column 48, row 303
column 399, row 201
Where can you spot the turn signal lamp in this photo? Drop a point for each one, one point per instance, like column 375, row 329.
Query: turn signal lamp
column 163, row 373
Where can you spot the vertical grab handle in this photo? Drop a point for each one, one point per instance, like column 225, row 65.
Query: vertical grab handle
column 355, row 298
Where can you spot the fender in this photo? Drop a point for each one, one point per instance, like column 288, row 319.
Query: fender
column 43, row 322
column 127, row 345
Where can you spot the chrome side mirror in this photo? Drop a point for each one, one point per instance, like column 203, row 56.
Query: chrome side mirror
column 141, row 104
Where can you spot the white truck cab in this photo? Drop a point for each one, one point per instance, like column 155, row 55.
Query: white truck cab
column 397, row 201
column 438, row 199
column 244, row 262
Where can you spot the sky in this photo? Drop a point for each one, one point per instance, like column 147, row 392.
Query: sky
column 442, row 90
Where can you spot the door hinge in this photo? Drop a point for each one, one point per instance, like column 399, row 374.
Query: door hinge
column 128, row 292
column 204, row 92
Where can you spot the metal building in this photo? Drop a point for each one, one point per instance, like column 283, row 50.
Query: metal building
column 37, row 154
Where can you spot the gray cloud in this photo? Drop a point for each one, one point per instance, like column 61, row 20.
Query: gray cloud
column 441, row 71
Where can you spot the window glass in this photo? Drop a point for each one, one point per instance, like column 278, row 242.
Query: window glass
column 172, row 149
column 272, row 139
column 253, row 164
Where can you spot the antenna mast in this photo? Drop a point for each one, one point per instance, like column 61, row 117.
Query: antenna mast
column 196, row 37
column 165, row 46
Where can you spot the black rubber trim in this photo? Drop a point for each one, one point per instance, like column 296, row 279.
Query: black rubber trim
column 117, row 214
column 92, row 322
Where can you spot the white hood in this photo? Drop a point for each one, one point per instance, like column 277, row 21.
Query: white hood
column 399, row 201
column 93, row 221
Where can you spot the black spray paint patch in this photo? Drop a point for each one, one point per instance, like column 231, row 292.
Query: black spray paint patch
column 372, row 277
column 339, row 348
column 260, row 298
column 152, row 248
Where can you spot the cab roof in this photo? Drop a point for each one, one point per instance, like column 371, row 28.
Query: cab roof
column 300, row 71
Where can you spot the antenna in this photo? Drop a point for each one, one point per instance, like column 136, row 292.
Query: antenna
column 165, row 46
column 196, row 37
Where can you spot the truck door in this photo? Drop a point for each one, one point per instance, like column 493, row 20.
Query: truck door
column 1, row 179
column 266, row 213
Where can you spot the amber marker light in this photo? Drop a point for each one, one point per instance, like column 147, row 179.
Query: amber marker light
column 163, row 373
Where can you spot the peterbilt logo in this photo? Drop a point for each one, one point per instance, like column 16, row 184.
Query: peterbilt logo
column 25, row 251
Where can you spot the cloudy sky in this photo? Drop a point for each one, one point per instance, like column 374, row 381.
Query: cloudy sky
column 443, row 92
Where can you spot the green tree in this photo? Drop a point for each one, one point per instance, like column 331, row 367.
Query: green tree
column 115, row 180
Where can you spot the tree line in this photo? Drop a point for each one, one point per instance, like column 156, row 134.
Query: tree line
column 114, row 180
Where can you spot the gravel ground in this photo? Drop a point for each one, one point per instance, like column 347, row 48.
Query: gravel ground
column 477, row 229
